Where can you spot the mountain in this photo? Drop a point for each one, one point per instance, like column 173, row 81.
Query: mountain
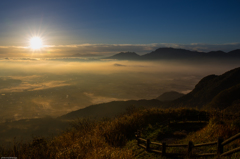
column 178, row 54
column 213, row 92
column 171, row 53
column 216, row 53
column 125, row 56
column 226, row 98
column 169, row 96
column 110, row 109
column 235, row 53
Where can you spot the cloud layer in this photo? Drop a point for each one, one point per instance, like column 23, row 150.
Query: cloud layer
column 96, row 50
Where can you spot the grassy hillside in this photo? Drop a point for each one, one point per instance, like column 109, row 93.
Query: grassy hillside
column 225, row 98
column 114, row 138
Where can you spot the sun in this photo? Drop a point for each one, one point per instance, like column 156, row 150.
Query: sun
column 36, row 43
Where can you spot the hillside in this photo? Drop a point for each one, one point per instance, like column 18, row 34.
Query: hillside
column 226, row 98
column 110, row 109
column 114, row 138
column 169, row 96
column 213, row 90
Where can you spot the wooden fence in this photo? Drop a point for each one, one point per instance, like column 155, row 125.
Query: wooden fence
column 219, row 144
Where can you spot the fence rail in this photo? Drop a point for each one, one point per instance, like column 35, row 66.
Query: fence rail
column 206, row 144
column 231, row 139
column 177, row 145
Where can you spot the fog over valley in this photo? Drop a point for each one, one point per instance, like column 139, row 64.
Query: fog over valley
column 40, row 88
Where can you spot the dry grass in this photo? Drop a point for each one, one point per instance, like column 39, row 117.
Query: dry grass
column 107, row 139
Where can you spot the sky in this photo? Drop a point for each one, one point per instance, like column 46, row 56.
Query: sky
column 95, row 28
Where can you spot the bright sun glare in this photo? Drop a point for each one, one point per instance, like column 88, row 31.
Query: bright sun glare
column 36, row 43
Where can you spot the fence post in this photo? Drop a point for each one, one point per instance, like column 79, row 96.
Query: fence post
column 190, row 146
column 219, row 146
column 148, row 145
column 137, row 138
column 164, row 149
column 139, row 133
column 15, row 150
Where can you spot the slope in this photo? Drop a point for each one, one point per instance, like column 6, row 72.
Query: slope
column 208, row 88
column 110, row 109
column 169, row 96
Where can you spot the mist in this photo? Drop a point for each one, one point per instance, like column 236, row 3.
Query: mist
column 39, row 88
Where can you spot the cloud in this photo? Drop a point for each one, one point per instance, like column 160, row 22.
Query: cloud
column 98, row 50
column 31, row 77
column 84, row 55
column 101, row 99
column 25, row 86
column 20, row 59
column 117, row 64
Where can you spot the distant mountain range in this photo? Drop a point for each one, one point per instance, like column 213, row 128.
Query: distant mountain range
column 176, row 54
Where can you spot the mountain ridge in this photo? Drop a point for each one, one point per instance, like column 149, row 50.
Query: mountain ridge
column 209, row 88
column 125, row 56
column 177, row 54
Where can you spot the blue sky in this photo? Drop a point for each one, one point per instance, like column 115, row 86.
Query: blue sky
column 76, row 22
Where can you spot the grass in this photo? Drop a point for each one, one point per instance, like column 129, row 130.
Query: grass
column 114, row 138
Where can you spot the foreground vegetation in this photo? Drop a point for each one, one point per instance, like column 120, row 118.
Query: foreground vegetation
column 114, row 138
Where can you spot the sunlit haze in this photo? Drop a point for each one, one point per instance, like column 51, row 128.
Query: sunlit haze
column 35, row 43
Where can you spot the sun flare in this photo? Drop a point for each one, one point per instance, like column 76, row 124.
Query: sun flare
column 36, row 43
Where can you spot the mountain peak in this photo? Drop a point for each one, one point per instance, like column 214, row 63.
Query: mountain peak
column 127, row 53
column 125, row 56
column 169, row 96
